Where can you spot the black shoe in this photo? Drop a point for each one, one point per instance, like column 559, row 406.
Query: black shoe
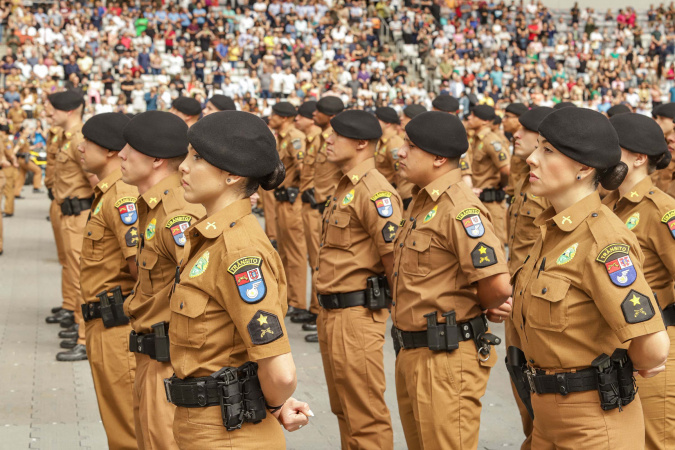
column 292, row 311
column 60, row 316
column 309, row 326
column 56, row 309
column 77, row 353
column 7, row 215
column 67, row 322
column 69, row 333
column 48, row 219
column 312, row 337
column 69, row 343
column 37, row 191
column 1, row 252
column 304, row 317
column 19, row 197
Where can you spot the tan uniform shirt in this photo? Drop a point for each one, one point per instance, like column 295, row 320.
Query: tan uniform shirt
column 488, row 155
column 359, row 227
column 230, row 304
column 308, row 169
column 292, row 152
column 110, row 237
column 589, row 296
column 163, row 218
column 386, row 156
column 54, row 139
column 650, row 214
column 521, row 230
column 664, row 179
column 70, row 179
column 442, row 250
column 519, row 171
column 326, row 174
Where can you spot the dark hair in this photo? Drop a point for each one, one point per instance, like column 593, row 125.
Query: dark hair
column 268, row 182
column 658, row 162
column 612, row 177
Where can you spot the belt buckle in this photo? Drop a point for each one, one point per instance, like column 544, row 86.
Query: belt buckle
column 167, row 388
column 334, row 301
column 530, row 374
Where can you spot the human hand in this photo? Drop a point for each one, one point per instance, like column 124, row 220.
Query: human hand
column 498, row 315
column 294, row 414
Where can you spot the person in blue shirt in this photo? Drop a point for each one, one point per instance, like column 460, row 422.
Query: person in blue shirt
column 200, row 13
column 151, row 99
column 185, row 19
column 144, row 60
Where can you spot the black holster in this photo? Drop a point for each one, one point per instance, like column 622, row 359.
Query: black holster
column 293, row 193
column 442, row 336
column 492, row 195
column 241, row 397
column 161, row 331
column 308, row 197
column 50, row 194
column 321, row 207
column 516, row 365
column 109, row 308
column 406, row 203
column 376, row 292
column 616, row 384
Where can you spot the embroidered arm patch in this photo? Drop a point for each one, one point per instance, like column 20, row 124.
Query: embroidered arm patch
column 483, row 256
column 389, row 231
column 131, row 237
column 636, row 307
column 264, row 328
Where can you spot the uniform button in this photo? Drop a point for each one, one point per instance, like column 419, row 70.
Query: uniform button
column 543, row 291
column 532, row 361
column 140, row 348
column 233, row 224
column 321, row 244
column 335, row 199
column 317, row 268
column 336, row 222
column 181, row 305
column 89, row 234
column 166, row 192
column 143, row 263
column 400, row 245
column 528, row 212
column 413, row 242
column 521, row 293
column 594, row 215
column 515, row 215
column 521, row 194
column 511, row 236
column 326, row 220
column 412, row 218
column 196, row 234
column 651, row 192
column 393, row 303
column 395, row 274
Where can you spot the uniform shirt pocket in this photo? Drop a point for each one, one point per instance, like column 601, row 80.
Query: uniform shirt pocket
column 92, row 245
column 188, row 317
column 338, row 234
column 416, row 258
column 548, row 309
column 147, row 260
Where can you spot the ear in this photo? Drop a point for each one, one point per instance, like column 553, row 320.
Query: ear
column 585, row 172
column 640, row 160
column 231, row 179
column 362, row 144
column 439, row 161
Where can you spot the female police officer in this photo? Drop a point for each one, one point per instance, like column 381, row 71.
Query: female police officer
column 229, row 347
column 650, row 214
column 581, row 294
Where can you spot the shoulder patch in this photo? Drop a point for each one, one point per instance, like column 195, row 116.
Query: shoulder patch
column 496, row 145
column 567, row 255
column 502, row 156
column 300, row 155
column 636, row 307
column 483, row 256
column 131, row 237
column 348, row 198
column 297, row 144
column 463, row 165
column 669, row 219
column 389, row 231
column 126, row 206
column 619, row 266
column 382, row 201
column 431, row 214
column 633, row 221
column 150, row 231
column 264, row 328
column 200, row 266
column 249, row 278
column 178, row 225
column 394, row 153
column 470, row 218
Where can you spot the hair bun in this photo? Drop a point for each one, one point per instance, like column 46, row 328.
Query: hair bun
column 663, row 161
column 274, row 179
column 612, row 177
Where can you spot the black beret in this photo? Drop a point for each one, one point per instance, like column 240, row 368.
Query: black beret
column 618, row 109
column 387, row 115
column 307, row 109
column 223, row 103
column 438, row 133
column 330, row 105
column 356, row 124
column 483, row 112
column 517, row 108
column 532, row 118
column 562, row 105
column 236, row 141
column 66, row 100
column 665, row 110
column 284, row 109
column 584, row 135
column 639, row 134
column 497, row 120
column 158, row 134
column 187, row 105
column 413, row 110
column 445, row 102
column 106, row 130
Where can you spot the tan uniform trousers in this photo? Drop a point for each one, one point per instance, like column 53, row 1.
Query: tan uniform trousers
column 72, row 232
column 55, row 220
column 439, row 396
column 8, row 191
column 311, row 222
column 269, row 209
column 293, row 251
column 511, row 338
column 351, row 344
column 658, row 403
column 498, row 212
column 3, row 181
column 202, row 429
column 576, row 421
column 113, row 367
column 24, row 168
column 153, row 414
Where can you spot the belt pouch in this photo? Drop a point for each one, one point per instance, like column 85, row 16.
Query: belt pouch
column 161, row 342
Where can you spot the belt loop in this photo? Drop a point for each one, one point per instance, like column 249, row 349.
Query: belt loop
column 167, row 388
column 561, row 383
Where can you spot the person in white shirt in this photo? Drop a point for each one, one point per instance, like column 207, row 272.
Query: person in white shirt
column 277, row 82
column 288, row 83
column 40, row 70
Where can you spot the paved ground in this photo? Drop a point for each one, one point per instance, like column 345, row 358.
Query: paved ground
column 52, row 405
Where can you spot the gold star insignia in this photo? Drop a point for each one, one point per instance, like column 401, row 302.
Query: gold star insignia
column 355, row 177
column 133, row 232
column 104, row 186
column 635, row 300
column 210, row 225
column 482, row 250
column 435, row 192
column 391, row 228
column 152, row 200
column 633, row 194
column 262, row 320
column 566, row 219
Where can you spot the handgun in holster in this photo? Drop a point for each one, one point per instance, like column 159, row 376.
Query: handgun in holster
column 118, row 306
column 106, row 309
column 308, row 197
column 608, row 383
column 75, row 206
column 293, row 193
column 161, row 341
column 516, row 365
column 624, row 370
column 443, row 336
column 376, row 292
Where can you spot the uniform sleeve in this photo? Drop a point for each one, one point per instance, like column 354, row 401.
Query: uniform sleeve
column 75, row 142
column 173, row 241
column 253, row 291
column 663, row 239
column 124, row 222
column 479, row 251
column 381, row 216
column 620, row 291
column 298, row 147
column 499, row 155
column 465, row 164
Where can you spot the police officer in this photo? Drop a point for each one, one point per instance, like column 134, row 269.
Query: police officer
column 581, row 294
column 386, row 151
column 403, row 186
column 650, row 214
column 9, row 170
column 156, row 144
column 218, row 103
column 621, row 108
column 291, row 241
column 519, row 168
column 440, row 332
column 108, row 274
column 356, row 251
column 445, row 103
column 3, row 164
column 665, row 117
column 490, row 166
column 27, row 163
column 228, row 306
column 269, row 203
column 187, row 108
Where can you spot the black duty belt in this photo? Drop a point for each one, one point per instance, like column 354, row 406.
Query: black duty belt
column 339, row 301
column 562, row 383
column 492, row 195
column 193, row 392
column 289, row 194
column 155, row 345
column 108, row 308
column 308, row 197
column 74, row 206
column 419, row 339
column 669, row 315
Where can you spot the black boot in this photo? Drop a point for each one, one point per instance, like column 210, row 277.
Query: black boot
column 56, row 309
column 303, row 317
column 67, row 322
column 70, row 333
column 69, row 343
column 292, row 311
column 77, row 353
column 309, row 326
column 60, row 316
column 312, row 337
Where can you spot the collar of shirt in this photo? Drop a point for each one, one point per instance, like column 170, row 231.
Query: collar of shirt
column 638, row 191
column 440, row 184
column 73, row 130
column 327, row 132
column 360, row 170
column 153, row 196
column 483, row 132
column 108, row 181
column 569, row 219
column 212, row 227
